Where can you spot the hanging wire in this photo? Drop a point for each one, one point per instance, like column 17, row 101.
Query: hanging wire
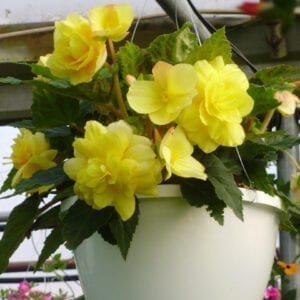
column 251, row 184
column 56, row 273
column 212, row 29
column 189, row 9
column 138, row 21
column 176, row 16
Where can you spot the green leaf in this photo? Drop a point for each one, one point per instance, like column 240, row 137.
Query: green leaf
column 123, row 231
column 269, row 141
column 11, row 80
column 216, row 45
column 55, row 175
column 81, row 221
column 290, row 295
column 51, row 244
column 174, row 47
column 7, row 183
column 257, row 172
column 47, row 220
column 50, row 109
column 131, row 60
column 229, row 157
column 42, row 71
column 55, row 264
column 279, row 74
column 196, row 193
column 24, row 124
column 225, row 186
column 263, row 98
column 285, row 222
column 17, row 227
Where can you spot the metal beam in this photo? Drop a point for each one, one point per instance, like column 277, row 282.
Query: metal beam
column 180, row 12
column 289, row 244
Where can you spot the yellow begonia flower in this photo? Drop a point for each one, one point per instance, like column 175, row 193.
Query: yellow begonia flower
column 216, row 114
column 173, row 89
column 31, row 153
column 288, row 102
column 111, row 165
column 111, row 21
column 176, row 151
column 289, row 269
column 77, row 55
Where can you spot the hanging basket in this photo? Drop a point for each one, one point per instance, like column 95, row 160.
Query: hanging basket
column 180, row 253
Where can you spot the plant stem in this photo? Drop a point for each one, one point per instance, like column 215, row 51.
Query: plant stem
column 77, row 128
column 117, row 87
column 49, row 204
column 267, row 119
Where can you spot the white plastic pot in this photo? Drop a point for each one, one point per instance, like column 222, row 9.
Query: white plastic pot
column 180, row 253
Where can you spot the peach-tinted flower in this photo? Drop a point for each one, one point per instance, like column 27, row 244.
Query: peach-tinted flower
column 111, row 165
column 216, row 114
column 31, row 153
column 77, row 55
column 176, row 151
column 111, row 21
column 172, row 89
column 288, row 102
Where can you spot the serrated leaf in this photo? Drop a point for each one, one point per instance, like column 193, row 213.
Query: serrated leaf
column 131, row 59
column 290, row 295
column 51, row 244
column 224, row 184
column 81, row 221
column 123, row 231
column 55, row 175
column 201, row 193
column 285, row 222
column 279, row 74
column 257, row 172
column 216, row 45
column 11, row 80
column 50, row 109
column 263, row 98
column 107, row 235
column 17, row 227
column 47, row 220
column 23, row 124
column 270, row 141
column 174, row 47
column 7, row 183
column 42, row 71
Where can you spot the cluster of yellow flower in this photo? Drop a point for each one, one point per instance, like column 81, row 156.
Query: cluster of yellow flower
column 199, row 104
column 79, row 43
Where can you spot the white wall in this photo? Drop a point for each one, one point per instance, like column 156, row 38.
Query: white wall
column 28, row 11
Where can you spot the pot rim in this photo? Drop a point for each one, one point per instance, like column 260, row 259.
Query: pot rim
column 249, row 195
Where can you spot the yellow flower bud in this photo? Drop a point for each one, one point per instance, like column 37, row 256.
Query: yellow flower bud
column 111, row 21
column 176, row 151
column 288, row 102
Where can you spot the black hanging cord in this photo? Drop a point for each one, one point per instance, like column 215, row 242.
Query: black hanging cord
column 212, row 29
